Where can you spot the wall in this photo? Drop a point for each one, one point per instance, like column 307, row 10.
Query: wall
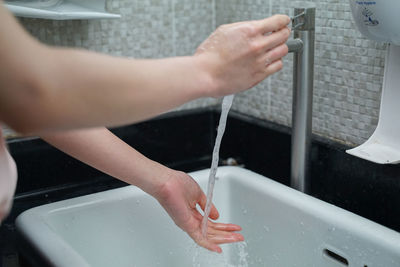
column 348, row 71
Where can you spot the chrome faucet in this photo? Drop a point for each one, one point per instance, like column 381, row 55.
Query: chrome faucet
column 303, row 44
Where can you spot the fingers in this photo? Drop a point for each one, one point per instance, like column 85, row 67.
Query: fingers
column 225, row 226
column 223, row 233
column 211, row 246
column 272, row 24
column 214, row 214
column 206, row 243
column 215, row 238
column 275, row 39
column 219, row 226
column 273, row 67
column 276, row 54
column 225, row 238
column 217, row 233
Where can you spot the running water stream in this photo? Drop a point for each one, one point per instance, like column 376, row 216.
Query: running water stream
column 226, row 105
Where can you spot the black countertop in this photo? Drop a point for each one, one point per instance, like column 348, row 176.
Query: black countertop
column 184, row 140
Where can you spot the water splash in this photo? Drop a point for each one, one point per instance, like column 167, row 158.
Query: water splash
column 205, row 258
column 226, row 105
column 243, row 254
column 236, row 255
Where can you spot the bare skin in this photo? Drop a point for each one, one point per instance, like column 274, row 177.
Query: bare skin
column 254, row 55
column 53, row 92
column 46, row 88
column 176, row 191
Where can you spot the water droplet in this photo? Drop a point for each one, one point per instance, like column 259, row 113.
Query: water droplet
column 266, row 228
column 137, row 202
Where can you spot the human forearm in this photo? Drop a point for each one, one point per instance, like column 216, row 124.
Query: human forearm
column 85, row 89
column 44, row 89
column 101, row 149
column 108, row 91
column 176, row 191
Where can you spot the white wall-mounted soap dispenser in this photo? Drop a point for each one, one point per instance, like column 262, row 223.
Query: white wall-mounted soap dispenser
column 379, row 20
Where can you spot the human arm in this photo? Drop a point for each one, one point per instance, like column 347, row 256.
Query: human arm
column 45, row 88
column 176, row 191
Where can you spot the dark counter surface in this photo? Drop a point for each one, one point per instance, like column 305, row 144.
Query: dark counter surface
column 184, row 140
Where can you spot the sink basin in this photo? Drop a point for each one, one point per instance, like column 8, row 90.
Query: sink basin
column 282, row 227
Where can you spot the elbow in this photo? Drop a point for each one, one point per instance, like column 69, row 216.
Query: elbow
column 32, row 111
column 24, row 117
column 26, row 102
column 22, row 127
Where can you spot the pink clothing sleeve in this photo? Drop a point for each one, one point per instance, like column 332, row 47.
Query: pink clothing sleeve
column 8, row 179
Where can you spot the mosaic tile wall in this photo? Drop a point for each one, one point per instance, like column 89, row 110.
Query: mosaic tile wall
column 147, row 29
column 348, row 71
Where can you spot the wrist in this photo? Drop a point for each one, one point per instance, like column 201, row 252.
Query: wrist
column 171, row 187
column 204, row 67
column 153, row 178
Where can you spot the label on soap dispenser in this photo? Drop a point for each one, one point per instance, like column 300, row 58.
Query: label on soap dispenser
column 367, row 13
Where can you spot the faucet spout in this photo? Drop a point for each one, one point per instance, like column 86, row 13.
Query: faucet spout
column 295, row 45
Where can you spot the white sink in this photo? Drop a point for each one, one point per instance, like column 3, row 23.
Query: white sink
column 282, row 227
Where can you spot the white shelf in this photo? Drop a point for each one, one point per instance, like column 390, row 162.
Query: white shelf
column 60, row 9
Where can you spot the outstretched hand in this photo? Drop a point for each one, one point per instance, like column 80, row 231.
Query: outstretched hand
column 179, row 196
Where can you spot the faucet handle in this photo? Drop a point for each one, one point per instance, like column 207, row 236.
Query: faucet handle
column 304, row 19
column 297, row 21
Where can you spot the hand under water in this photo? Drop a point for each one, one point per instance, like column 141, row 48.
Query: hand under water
column 179, row 196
